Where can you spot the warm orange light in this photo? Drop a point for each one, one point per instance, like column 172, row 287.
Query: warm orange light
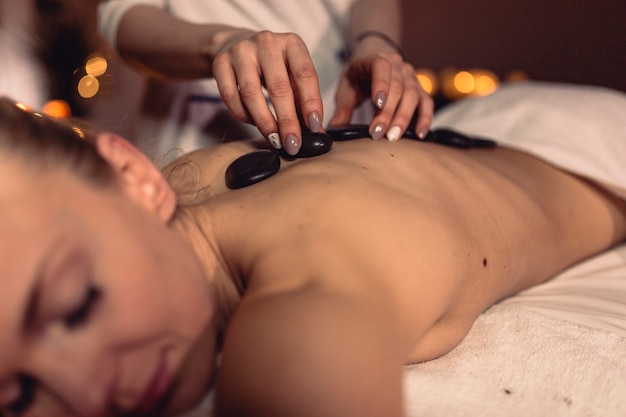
column 485, row 85
column 96, row 66
column 88, row 86
column 79, row 132
column 464, row 82
column 22, row 106
column 427, row 79
column 486, row 82
column 57, row 108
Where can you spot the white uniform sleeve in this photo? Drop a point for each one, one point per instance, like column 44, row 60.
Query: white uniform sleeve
column 110, row 14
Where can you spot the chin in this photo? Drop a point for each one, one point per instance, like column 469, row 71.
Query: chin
column 195, row 378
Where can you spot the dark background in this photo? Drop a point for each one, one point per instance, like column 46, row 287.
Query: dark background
column 572, row 41
column 577, row 41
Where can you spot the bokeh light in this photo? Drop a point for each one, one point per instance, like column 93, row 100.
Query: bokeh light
column 57, row 108
column 88, row 86
column 486, row 82
column 464, row 82
column 79, row 132
column 96, row 66
column 22, row 106
column 90, row 75
column 428, row 80
column 459, row 83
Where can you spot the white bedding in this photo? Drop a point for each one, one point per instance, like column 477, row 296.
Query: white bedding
column 578, row 128
column 558, row 349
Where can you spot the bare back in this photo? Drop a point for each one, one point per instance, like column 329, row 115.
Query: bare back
column 351, row 264
column 443, row 233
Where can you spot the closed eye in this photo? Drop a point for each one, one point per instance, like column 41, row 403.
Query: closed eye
column 26, row 398
column 82, row 312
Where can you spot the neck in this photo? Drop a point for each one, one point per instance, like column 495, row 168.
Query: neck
column 227, row 287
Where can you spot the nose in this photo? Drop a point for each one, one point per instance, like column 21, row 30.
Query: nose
column 76, row 374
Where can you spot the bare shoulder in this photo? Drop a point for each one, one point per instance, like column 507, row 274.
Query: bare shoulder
column 200, row 174
column 305, row 353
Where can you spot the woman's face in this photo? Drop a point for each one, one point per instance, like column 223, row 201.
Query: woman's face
column 105, row 310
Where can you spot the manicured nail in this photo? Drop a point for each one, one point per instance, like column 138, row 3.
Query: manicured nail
column 292, row 144
column 377, row 133
column 274, row 139
column 380, row 99
column 315, row 122
column 422, row 133
column 393, row 134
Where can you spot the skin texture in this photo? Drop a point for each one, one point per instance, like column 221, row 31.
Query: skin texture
column 331, row 275
column 156, row 307
column 242, row 61
column 376, row 255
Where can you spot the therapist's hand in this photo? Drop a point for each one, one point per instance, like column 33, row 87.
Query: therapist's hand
column 281, row 63
column 379, row 73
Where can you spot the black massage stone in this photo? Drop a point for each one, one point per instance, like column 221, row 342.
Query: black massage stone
column 313, row 144
column 258, row 165
column 251, row 168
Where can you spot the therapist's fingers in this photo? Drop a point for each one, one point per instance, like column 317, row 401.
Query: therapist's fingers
column 378, row 77
column 229, row 91
column 372, row 76
column 281, row 63
column 353, row 88
column 347, row 98
column 404, row 99
column 306, row 84
column 390, row 83
column 291, row 85
column 387, row 91
column 238, row 75
column 425, row 111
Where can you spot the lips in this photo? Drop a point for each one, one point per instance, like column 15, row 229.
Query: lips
column 155, row 392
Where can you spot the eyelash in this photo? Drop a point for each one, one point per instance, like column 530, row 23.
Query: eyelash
column 77, row 317
column 82, row 312
column 26, row 398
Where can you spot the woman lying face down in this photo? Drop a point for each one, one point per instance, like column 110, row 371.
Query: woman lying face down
column 102, row 301
column 121, row 283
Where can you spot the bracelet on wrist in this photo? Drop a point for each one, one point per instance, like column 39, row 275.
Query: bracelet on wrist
column 376, row 34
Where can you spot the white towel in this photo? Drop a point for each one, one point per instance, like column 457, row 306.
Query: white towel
column 518, row 363
column 578, row 128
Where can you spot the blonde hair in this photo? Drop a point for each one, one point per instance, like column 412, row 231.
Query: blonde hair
column 46, row 142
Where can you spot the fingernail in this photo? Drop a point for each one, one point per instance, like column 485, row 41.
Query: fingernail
column 274, row 139
column 315, row 122
column 422, row 133
column 377, row 133
column 380, row 99
column 393, row 134
column 292, row 144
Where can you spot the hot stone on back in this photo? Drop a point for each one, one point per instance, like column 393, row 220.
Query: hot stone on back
column 258, row 165
column 251, row 168
column 314, row 144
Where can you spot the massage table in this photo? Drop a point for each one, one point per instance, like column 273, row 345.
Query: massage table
column 557, row 349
